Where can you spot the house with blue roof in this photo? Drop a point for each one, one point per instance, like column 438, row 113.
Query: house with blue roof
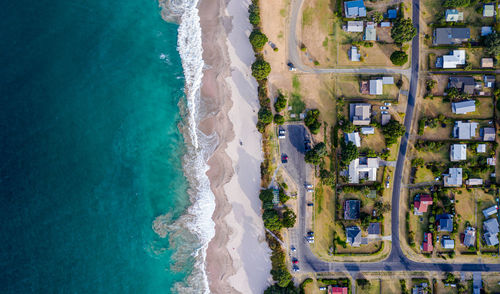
column 445, row 223
column 392, row 13
column 354, row 9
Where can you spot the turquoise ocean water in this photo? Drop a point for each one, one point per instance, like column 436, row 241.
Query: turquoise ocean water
column 91, row 151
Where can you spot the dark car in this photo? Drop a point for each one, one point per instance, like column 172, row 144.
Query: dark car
column 295, row 261
column 310, row 204
column 284, row 158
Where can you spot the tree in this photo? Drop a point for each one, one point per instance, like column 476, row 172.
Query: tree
column 260, row 69
column 276, row 289
column 417, row 162
column 430, row 84
column 280, row 102
column 363, row 283
column 265, row 115
column 254, row 14
column 283, row 196
column 349, row 153
column 377, row 17
column 392, row 131
column 403, row 30
column 258, row 39
column 279, row 119
column 399, row 58
column 312, row 121
column 289, row 218
column 266, row 195
column 456, row 3
column 282, row 277
column 315, row 155
column 271, row 220
column 492, row 44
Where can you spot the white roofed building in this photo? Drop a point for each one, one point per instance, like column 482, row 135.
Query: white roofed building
column 363, row 168
column 458, row 152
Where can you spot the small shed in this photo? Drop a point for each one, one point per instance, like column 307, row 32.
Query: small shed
column 388, row 80
column 485, row 31
column 481, row 148
column 489, row 10
column 367, row 130
column 486, row 62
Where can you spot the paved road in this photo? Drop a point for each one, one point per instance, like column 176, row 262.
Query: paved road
column 293, row 145
column 294, row 57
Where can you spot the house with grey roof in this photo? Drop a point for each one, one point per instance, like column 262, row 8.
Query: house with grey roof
column 463, row 107
column 354, row 9
column 481, row 148
column 489, row 81
column 354, row 26
column 360, row 113
column 447, row 242
column 492, row 210
column 363, row 168
column 488, row 134
column 458, row 152
column 485, row 31
column 367, row 130
column 464, row 130
column 370, row 32
column 376, row 87
column 351, row 209
column 354, row 54
column 469, row 237
column 353, row 236
column 453, row 178
column 354, row 138
column 490, row 226
column 451, row 36
column 452, row 60
column 453, row 15
column 374, row 230
column 474, row 182
column 444, row 222
column 489, row 10
column 466, row 84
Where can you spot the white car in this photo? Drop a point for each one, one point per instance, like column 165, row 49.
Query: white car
column 281, row 134
column 384, row 107
column 385, row 112
column 309, row 186
column 387, row 104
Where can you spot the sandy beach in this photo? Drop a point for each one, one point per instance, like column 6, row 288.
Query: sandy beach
column 238, row 256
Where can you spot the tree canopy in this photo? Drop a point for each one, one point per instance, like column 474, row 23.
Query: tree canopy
column 403, row 30
column 254, row 14
column 455, row 3
column 492, row 44
column 260, row 69
column 258, row 39
column 392, row 131
column 399, row 57
column 279, row 119
column 312, row 121
column 289, row 218
column 349, row 153
column 280, row 103
column 271, row 220
column 315, row 155
column 265, row 115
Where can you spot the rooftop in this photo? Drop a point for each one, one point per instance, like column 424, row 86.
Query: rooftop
column 463, row 107
column 421, row 203
column 489, row 10
column 354, row 8
column 370, row 33
column 360, row 113
column 354, row 138
column 453, row 178
column 363, row 168
column 374, row 229
column 492, row 210
column 355, row 26
column 351, row 209
column 450, row 36
column 488, row 134
column 353, row 235
column 486, row 62
column 464, row 130
column 376, row 87
column 458, row 152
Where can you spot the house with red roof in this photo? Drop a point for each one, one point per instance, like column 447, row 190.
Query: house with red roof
column 421, row 203
column 427, row 244
column 338, row 290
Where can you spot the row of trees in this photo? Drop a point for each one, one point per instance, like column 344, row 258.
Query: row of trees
column 403, row 31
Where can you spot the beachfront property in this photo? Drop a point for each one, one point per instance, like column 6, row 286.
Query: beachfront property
column 458, row 152
column 463, row 107
column 354, row 54
column 370, row 32
column 489, row 10
column 354, row 9
column 360, row 113
column 490, row 227
column 444, row 222
column 488, row 134
column 492, row 210
column 450, row 36
column 354, row 138
column 354, row 26
column 351, row 209
column 453, row 178
column 453, row 15
column 421, row 203
column 464, row 130
column 363, row 168
column 452, row 60
column 489, row 81
column 487, row 62
column 465, row 84
column 469, row 237
column 353, row 236
column 427, row 243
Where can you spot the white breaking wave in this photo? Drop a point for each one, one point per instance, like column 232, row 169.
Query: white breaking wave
column 199, row 146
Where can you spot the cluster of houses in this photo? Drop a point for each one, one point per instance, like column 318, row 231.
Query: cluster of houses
column 490, row 226
column 468, row 85
column 458, row 57
column 353, row 233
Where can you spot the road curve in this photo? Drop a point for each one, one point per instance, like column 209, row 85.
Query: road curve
column 396, row 261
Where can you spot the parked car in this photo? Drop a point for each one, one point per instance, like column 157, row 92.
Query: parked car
column 310, row 204
column 291, row 67
column 384, row 107
column 309, row 186
column 281, row 134
column 324, row 288
column 385, row 112
column 293, row 249
column 284, row 158
column 296, row 268
column 295, row 261
column 387, row 104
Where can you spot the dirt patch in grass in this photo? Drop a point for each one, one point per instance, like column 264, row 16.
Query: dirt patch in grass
column 375, row 142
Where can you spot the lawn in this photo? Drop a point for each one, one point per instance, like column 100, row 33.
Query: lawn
column 373, row 288
column 423, row 175
column 465, row 205
column 436, row 106
column 375, row 142
column 348, row 86
column 324, row 221
column 484, row 200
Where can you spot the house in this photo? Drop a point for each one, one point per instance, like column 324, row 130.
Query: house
column 386, row 118
column 444, row 222
column 491, row 228
column 374, row 230
column 451, row 36
column 351, row 209
column 354, row 54
column 474, row 182
column 354, row 138
column 489, row 10
column 454, row 15
column 447, row 243
column 420, row 289
column 353, row 236
column 388, row 80
column 466, row 84
column 488, row 134
column 469, row 237
column 354, row 9
column 492, row 210
column 421, row 204
column 337, row 290
column 453, row 178
column 392, row 13
column 464, row 130
column 485, row 31
column 370, row 32
column 457, row 57
column 363, row 168
column 360, row 113
column 463, row 107
column 492, row 161
column 427, row 244
column 376, row 87
column 354, row 26
column 367, row 130
column 458, row 152
column 481, row 148
column 489, row 81
column 486, row 62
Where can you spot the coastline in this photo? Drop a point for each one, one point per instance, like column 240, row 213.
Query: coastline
column 237, row 258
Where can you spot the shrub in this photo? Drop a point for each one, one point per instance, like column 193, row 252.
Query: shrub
column 492, row 44
column 456, row 3
column 289, row 218
column 254, row 14
column 265, row 115
column 349, row 153
column 399, row 58
column 392, row 131
column 260, row 69
column 312, row 121
column 315, row 155
column 279, row 119
column 280, row 103
column 258, row 40
column 283, row 197
column 271, row 220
